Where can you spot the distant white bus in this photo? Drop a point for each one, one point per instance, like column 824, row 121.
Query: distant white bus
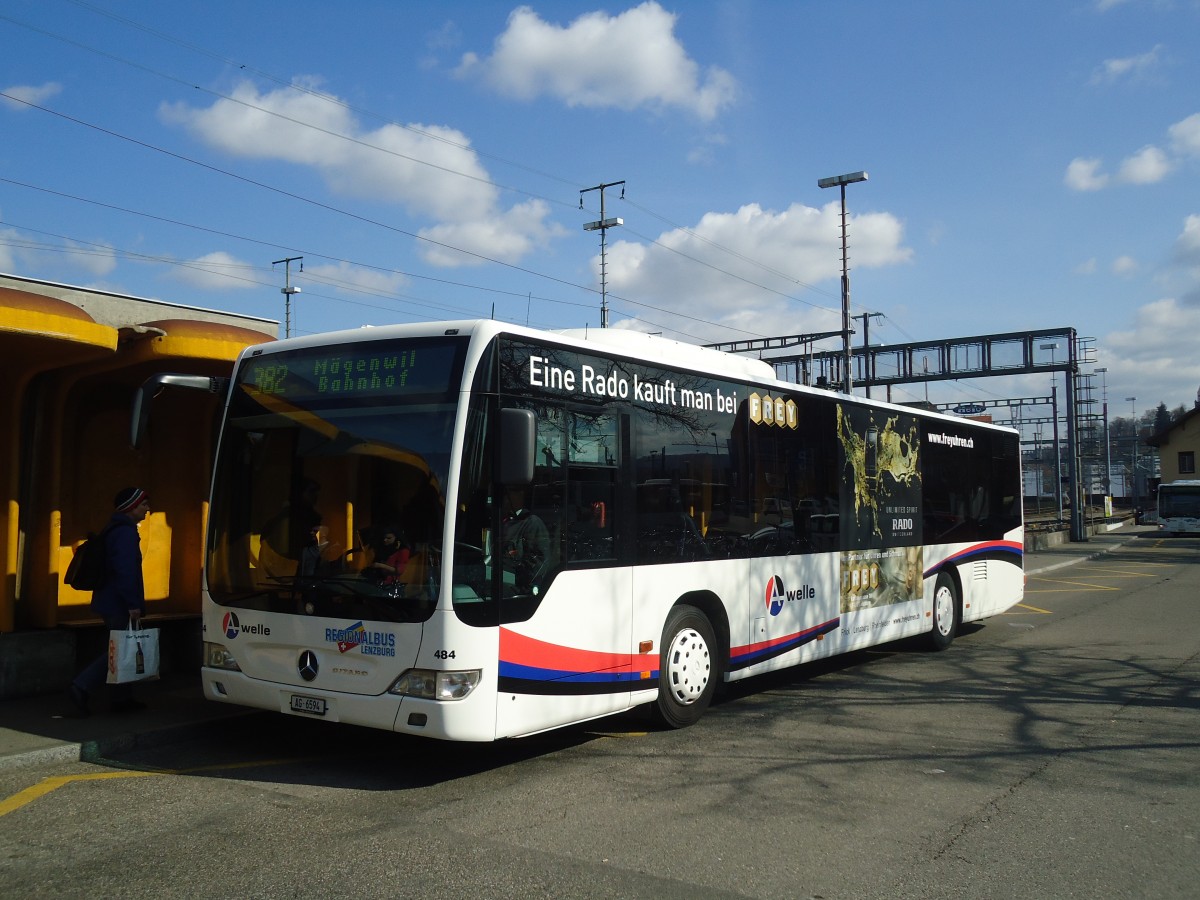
column 591, row 524
column 1179, row 507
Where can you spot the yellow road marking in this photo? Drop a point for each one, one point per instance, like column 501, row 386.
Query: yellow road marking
column 46, row 785
column 1035, row 609
column 1118, row 577
column 1098, row 587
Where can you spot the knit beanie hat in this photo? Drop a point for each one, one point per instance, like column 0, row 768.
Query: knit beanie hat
column 127, row 499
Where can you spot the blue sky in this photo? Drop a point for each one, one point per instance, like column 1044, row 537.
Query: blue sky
column 1032, row 165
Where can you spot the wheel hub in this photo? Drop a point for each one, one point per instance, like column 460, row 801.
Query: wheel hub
column 689, row 666
column 944, row 610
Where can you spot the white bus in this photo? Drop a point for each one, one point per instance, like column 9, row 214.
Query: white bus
column 1179, row 507
column 592, row 524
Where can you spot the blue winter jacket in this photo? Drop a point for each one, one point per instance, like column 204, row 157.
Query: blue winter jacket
column 123, row 588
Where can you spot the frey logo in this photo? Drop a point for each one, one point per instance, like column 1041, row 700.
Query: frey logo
column 232, row 627
column 777, row 595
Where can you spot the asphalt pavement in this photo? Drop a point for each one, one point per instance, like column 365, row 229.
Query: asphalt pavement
column 39, row 729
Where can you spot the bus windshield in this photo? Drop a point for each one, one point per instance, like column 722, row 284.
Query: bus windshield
column 329, row 489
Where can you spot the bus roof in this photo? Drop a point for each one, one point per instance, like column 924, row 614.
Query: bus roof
column 619, row 340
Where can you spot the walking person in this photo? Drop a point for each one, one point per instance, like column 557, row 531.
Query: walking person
column 119, row 599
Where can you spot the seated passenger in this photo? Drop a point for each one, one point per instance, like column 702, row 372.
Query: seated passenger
column 525, row 542
column 319, row 555
column 391, row 558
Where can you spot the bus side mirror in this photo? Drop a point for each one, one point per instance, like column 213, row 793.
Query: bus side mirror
column 518, row 443
column 152, row 385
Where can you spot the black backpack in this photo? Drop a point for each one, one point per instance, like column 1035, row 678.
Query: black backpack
column 86, row 570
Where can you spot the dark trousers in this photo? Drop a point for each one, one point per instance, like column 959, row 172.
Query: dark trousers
column 95, row 673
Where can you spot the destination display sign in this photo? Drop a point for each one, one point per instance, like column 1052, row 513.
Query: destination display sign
column 368, row 371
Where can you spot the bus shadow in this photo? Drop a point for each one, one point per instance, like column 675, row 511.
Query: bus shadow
column 274, row 749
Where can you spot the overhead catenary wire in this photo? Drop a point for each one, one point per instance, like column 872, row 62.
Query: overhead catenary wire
column 367, row 220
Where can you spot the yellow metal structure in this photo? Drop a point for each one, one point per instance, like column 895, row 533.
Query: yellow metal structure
column 65, row 451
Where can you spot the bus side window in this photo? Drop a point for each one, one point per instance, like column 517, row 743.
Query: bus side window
column 590, row 532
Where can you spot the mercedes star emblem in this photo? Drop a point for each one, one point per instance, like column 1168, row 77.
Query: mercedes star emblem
column 308, row 665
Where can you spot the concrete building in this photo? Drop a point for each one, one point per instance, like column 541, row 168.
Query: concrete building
column 1178, row 446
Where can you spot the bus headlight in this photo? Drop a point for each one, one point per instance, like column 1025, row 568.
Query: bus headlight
column 217, row 656
column 431, row 685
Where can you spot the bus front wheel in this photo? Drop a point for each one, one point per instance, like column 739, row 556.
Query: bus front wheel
column 688, row 671
column 945, row 612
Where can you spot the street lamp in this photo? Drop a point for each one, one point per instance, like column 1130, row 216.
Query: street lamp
column 1103, row 373
column 288, row 290
column 1133, row 496
column 1054, row 412
column 1037, row 450
column 1050, row 347
column 602, row 225
column 840, row 181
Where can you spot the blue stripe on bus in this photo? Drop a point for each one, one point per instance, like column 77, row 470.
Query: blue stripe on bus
column 533, row 673
column 547, row 682
column 1004, row 551
column 741, row 657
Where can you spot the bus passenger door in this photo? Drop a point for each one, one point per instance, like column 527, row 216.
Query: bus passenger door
column 573, row 630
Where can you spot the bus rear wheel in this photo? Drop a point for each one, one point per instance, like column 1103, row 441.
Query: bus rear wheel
column 688, row 670
column 945, row 612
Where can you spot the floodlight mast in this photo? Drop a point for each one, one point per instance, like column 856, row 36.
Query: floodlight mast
column 840, row 181
column 602, row 225
column 1103, row 373
column 288, row 290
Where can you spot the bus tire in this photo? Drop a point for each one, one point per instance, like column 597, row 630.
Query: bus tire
column 946, row 614
column 688, row 671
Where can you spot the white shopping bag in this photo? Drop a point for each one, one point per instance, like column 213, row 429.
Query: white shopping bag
column 132, row 655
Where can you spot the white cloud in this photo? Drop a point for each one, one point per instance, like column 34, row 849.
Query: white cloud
column 1187, row 245
column 627, row 61
column 703, row 154
column 344, row 276
column 1124, row 265
column 30, row 94
column 8, row 254
column 431, row 170
column 799, row 241
column 1183, row 276
column 1128, row 67
column 1087, row 267
column 1148, row 166
column 95, row 259
column 216, row 271
column 32, row 253
column 445, row 37
column 1085, row 175
column 1185, row 136
column 507, row 235
column 1155, row 360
